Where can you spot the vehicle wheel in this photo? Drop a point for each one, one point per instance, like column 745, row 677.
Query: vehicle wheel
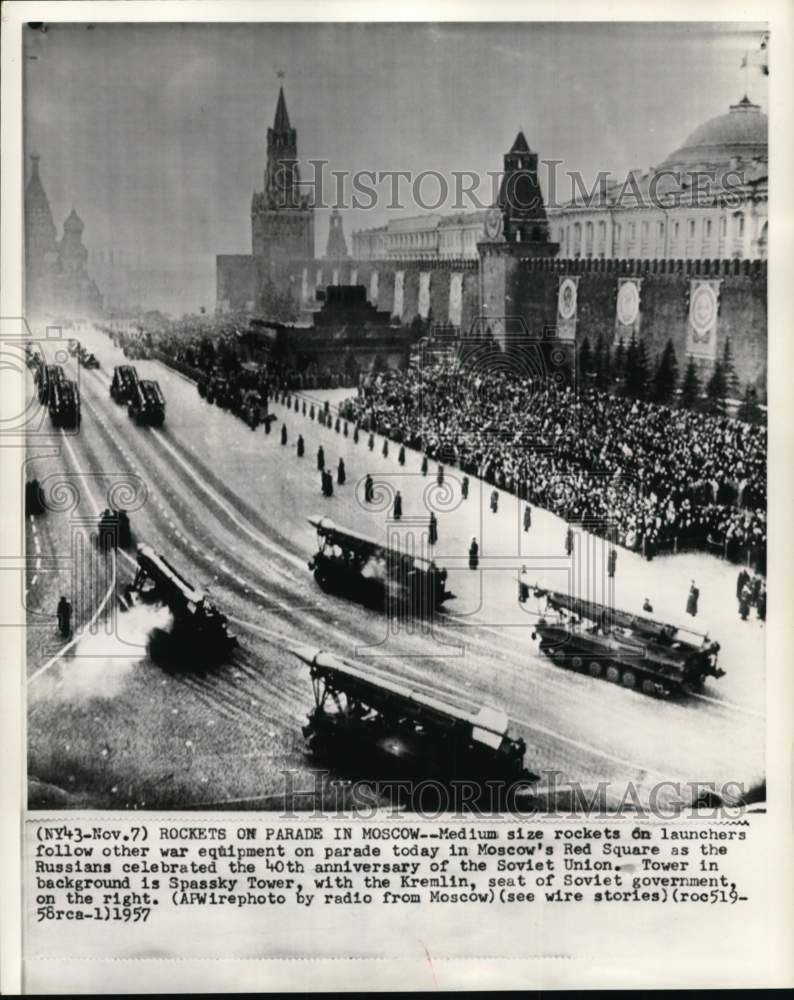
column 558, row 657
column 613, row 674
column 648, row 687
column 576, row 663
column 594, row 668
column 629, row 679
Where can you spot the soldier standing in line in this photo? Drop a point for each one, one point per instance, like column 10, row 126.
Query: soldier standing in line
column 440, row 475
column 464, row 488
column 311, row 412
column 401, row 455
column 283, row 433
column 340, row 472
column 398, row 506
column 692, row 600
column 320, row 458
column 741, row 580
column 344, row 429
column 301, row 446
column 64, row 614
column 474, row 554
column 495, row 501
column 527, row 517
column 424, row 465
column 433, row 529
column 304, row 407
column 569, row 541
column 369, row 489
column 744, row 602
column 355, row 434
column 371, row 441
column 338, row 425
column 612, row 559
column 385, row 448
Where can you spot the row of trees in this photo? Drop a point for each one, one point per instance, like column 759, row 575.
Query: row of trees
column 626, row 370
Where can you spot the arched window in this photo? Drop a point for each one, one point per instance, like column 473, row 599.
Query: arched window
column 738, row 221
column 589, row 232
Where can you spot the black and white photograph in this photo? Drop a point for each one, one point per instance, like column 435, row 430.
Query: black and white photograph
column 395, row 526
column 396, row 415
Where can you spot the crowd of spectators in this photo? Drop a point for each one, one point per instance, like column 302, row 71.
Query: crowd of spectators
column 652, row 477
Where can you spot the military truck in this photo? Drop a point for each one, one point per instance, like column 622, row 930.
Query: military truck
column 146, row 405
column 122, row 386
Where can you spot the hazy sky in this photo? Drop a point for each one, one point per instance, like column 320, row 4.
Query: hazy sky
column 156, row 134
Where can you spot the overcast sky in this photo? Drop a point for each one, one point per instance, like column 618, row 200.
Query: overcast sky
column 156, row 134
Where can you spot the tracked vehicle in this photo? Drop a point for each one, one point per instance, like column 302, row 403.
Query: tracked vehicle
column 368, row 721
column 123, row 384
column 146, row 404
column 376, row 575
column 197, row 622
column 654, row 657
column 63, row 398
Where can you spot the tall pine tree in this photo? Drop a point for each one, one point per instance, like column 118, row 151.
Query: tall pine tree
column 618, row 365
column 635, row 373
column 585, row 372
column 666, row 375
column 690, row 387
column 715, row 390
column 729, row 372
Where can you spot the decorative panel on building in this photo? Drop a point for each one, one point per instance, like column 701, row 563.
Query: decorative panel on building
column 397, row 308
column 455, row 298
column 373, row 288
column 354, row 276
column 567, row 306
column 423, row 306
column 704, row 303
column 627, row 309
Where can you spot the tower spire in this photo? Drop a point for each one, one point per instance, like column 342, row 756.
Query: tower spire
column 281, row 121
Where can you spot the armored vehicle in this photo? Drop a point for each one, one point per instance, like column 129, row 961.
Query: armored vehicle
column 46, row 377
column 64, row 401
column 114, row 529
column 197, row 623
column 367, row 720
column 638, row 652
column 125, row 379
column 89, row 360
column 147, row 403
column 376, row 575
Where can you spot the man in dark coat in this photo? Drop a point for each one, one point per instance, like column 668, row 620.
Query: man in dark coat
column 369, row 488
column 495, row 501
column 320, row 458
column 692, row 600
column 371, row 442
column 340, row 472
column 612, row 559
column 433, row 529
column 301, row 446
column 283, row 434
column 401, row 455
column 64, row 613
column 744, row 602
column 440, row 475
column 527, row 517
column 569, row 541
column 464, row 488
column 474, row 554
column 424, row 465
column 385, row 448
column 741, row 580
column 355, row 434
column 398, row 506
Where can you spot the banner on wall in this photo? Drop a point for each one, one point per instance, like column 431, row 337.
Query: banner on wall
column 373, row 288
column 704, row 303
column 397, row 308
column 627, row 309
column 423, row 306
column 567, row 305
column 455, row 298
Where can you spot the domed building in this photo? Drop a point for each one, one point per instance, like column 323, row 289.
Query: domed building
column 706, row 200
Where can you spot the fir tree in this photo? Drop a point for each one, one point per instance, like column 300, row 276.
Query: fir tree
column 635, row 373
column 585, row 362
column 601, row 364
column 715, row 390
column 750, row 411
column 666, row 376
column 619, row 363
column 690, row 387
column 729, row 372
